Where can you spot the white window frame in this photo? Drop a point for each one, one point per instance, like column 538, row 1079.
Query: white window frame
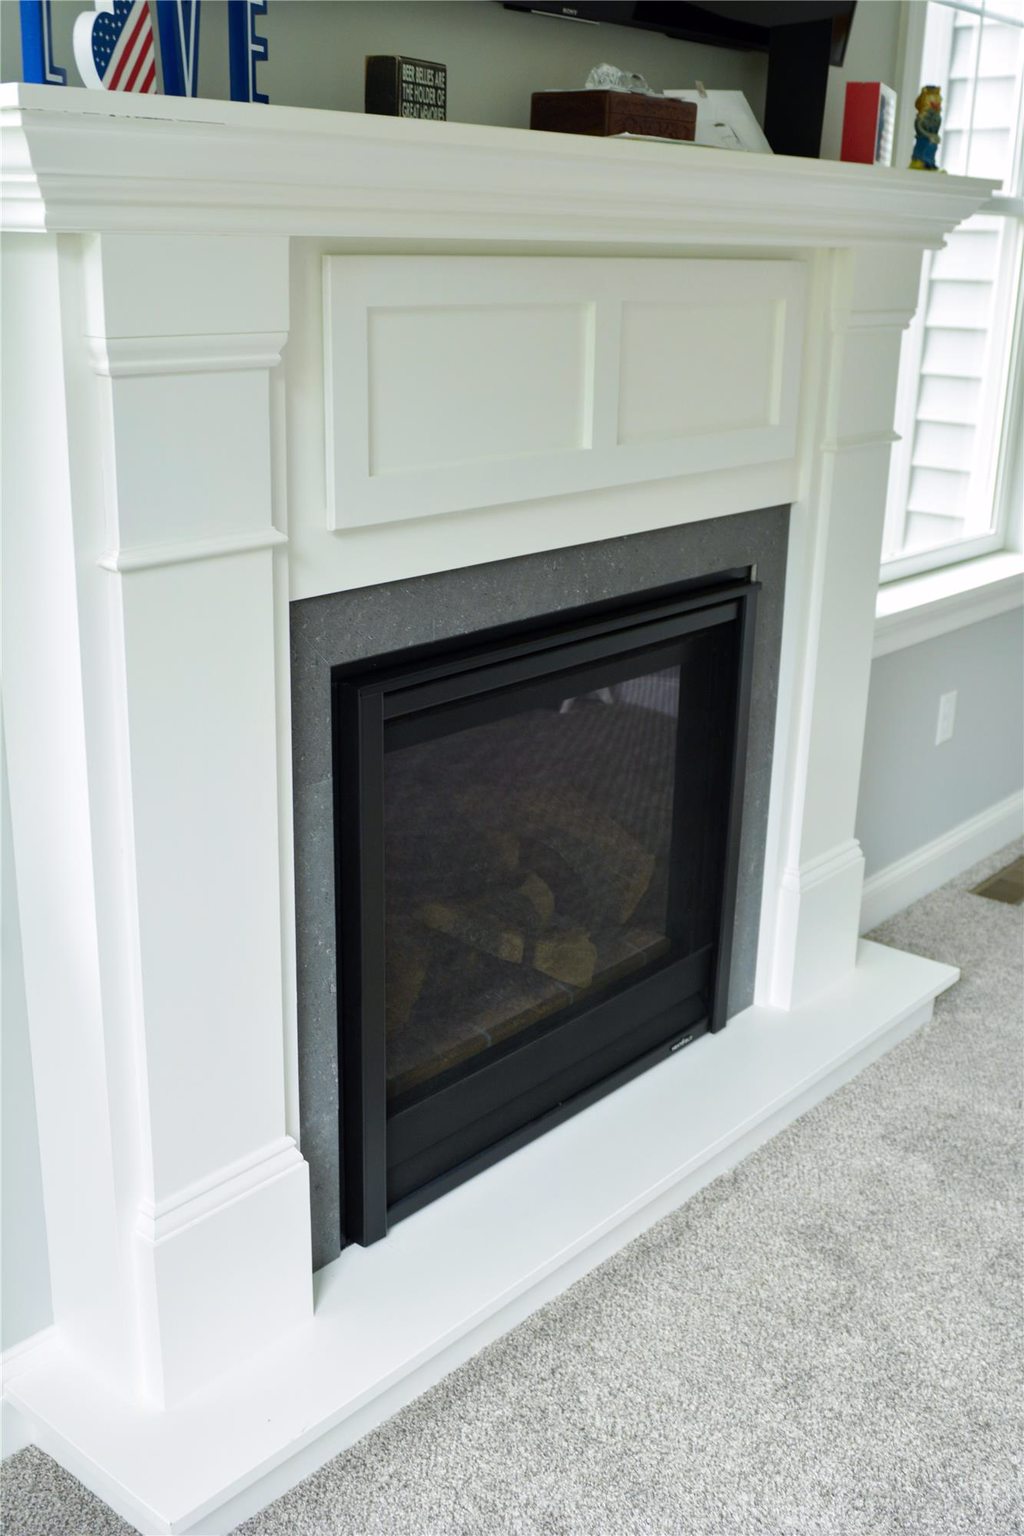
column 995, row 486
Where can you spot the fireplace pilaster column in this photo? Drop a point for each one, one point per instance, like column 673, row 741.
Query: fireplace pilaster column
column 864, row 299
column 169, row 342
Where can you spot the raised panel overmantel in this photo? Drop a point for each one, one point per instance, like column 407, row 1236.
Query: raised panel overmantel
column 76, row 159
column 457, row 382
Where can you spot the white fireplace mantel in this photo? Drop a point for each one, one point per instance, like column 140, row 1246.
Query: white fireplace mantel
column 167, row 494
column 100, row 162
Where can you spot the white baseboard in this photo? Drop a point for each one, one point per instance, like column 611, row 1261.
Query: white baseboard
column 924, row 870
column 393, row 1318
column 15, row 1429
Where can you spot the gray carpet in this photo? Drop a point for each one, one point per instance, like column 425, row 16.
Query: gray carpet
column 827, row 1340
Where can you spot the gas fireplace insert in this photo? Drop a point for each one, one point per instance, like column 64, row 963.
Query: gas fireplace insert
column 536, row 839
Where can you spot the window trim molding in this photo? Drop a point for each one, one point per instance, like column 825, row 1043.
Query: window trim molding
column 1003, row 489
column 937, row 602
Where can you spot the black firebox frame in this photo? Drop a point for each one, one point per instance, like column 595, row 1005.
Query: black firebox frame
column 672, row 1005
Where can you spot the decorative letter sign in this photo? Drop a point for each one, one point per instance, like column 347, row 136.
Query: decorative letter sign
column 114, row 47
column 178, row 24
column 37, row 45
column 245, row 48
column 397, row 87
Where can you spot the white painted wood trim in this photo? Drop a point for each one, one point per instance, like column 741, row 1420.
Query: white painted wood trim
column 15, row 1429
column 145, row 557
column 908, row 879
column 858, row 440
column 194, row 215
column 814, row 867
column 124, row 357
column 461, row 1273
column 162, row 1219
column 231, row 167
column 827, row 866
column 923, row 607
column 399, row 451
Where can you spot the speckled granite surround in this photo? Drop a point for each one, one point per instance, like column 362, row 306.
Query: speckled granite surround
column 371, row 621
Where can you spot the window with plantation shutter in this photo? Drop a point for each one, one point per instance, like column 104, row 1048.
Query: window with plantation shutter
column 959, row 394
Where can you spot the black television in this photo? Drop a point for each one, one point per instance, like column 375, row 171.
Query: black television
column 801, row 38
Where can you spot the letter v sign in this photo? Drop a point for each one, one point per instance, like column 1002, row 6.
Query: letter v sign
column 178, row 23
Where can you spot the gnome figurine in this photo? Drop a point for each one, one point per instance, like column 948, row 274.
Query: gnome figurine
column 927, row 123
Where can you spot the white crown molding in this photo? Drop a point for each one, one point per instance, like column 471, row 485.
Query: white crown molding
column 71, row 162
column 138, row 356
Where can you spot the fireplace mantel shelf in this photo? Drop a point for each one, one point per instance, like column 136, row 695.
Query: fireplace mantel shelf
column 79, row 160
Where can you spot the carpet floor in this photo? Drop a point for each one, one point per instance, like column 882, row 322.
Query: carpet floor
column 828, row 1341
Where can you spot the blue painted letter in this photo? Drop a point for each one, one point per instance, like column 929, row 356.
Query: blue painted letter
column 37, row 45
column 245, row 49
column 178, row 23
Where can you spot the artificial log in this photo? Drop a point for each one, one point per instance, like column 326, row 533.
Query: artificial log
column 409, row 955
column 567, row 956
column 540, row 896
column 613, row 867
column 475, row 926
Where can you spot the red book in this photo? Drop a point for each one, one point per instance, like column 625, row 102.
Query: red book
column 869, row 123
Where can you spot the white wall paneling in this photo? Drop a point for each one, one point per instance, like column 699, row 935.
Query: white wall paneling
column 531, row 340
column 455, row 382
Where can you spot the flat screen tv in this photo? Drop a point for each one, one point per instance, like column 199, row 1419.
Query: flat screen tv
column 801, row 38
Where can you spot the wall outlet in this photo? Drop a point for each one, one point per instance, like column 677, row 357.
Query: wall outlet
column 947, row 717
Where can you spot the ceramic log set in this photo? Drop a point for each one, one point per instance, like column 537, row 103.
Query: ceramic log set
column 115, row 46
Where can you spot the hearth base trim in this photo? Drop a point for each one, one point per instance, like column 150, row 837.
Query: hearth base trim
column 248, row 1439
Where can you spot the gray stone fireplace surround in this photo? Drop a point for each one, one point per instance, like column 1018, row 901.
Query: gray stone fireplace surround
column 372, row 621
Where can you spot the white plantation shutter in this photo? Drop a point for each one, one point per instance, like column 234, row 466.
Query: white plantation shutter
column 943, row 491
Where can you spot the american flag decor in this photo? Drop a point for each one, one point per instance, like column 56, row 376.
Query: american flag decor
column 114, row 47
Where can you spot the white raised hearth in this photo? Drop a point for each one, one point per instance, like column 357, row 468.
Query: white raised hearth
column 211, row 420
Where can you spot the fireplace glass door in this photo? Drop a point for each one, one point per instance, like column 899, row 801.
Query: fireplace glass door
column 535, row 845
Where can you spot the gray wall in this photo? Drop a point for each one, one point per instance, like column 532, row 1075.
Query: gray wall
column 872, row 53
column 495, row 57
column 912, row 791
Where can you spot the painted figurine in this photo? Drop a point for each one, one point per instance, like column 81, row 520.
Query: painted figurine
column 926, row 128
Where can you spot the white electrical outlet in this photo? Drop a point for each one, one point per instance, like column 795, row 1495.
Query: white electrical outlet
column 947, row 717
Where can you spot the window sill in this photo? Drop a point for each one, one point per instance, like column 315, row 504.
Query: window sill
column 922, row 607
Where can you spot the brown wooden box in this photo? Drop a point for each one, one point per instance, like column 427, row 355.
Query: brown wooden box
column 609, row 112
